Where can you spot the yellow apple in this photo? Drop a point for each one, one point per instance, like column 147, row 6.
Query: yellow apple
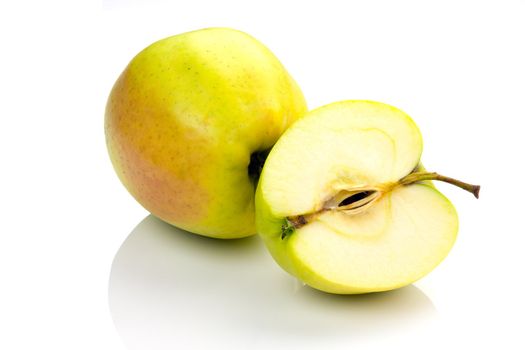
column 344, row 205
column 189, row 123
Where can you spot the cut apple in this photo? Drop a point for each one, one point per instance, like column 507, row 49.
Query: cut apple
column 343, row 204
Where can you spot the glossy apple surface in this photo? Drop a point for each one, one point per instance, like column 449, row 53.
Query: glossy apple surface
column 188, row 121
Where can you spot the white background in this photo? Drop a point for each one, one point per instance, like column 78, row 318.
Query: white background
column 457, row 67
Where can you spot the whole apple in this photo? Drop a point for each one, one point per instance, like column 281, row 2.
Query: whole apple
column 189, row 123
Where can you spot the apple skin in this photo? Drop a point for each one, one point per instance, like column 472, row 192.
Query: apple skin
column 183, row 120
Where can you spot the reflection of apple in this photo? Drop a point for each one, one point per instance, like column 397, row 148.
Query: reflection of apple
column 164, row 283
column 341, row 203
column 189, row 123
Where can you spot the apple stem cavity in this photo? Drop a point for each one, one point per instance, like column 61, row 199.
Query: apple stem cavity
column 422, row 176
column 256, row 165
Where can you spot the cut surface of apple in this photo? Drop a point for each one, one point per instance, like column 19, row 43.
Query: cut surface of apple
column 342, row 205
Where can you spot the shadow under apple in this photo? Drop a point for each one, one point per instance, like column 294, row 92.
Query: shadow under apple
column 169, row 287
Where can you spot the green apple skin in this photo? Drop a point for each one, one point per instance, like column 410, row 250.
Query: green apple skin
column 286, row 250
column 183, row 120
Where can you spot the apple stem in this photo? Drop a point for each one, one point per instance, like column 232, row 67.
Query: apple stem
column 422, row 176
column 371, row 194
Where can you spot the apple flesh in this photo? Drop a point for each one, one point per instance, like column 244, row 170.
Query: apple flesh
column 189, row 123
column 344, row 205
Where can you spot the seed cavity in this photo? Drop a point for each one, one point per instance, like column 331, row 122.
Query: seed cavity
column 354, row 198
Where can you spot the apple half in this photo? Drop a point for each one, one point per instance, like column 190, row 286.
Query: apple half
column 343, row 204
